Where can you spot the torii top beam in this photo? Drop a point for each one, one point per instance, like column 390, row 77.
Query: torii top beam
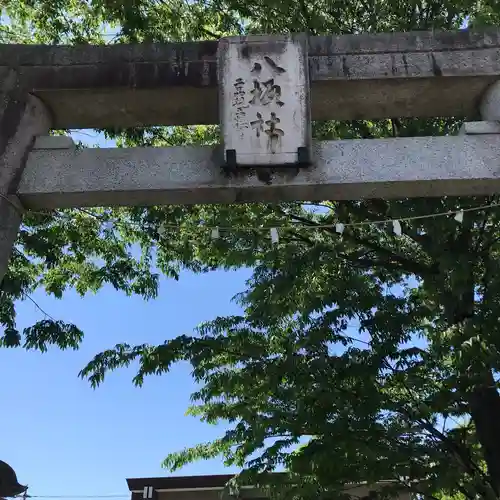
column 419, row 74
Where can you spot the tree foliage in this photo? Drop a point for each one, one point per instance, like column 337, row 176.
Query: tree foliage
column 358, row 357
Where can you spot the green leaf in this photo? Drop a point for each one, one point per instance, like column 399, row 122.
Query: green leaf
column 10, row 338
column 357, row 357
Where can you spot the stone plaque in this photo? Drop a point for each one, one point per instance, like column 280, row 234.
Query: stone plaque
column 264, row 99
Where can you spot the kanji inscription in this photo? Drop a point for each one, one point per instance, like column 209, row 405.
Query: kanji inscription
column 265, row 113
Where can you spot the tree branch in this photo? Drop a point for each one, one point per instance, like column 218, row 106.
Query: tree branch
column 461, row 452
column 307, row 17
column 407, row 265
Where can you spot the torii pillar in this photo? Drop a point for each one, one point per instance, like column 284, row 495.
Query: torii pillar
column 22, row 118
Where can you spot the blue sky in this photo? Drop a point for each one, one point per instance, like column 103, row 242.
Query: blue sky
column 64, row 438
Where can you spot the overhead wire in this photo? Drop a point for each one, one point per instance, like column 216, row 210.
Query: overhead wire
column 311, row 225
column 119, row 495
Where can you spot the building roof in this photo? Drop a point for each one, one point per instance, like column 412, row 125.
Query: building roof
column 179, row 482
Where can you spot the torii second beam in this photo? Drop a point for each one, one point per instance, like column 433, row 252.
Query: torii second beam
column 466, row 164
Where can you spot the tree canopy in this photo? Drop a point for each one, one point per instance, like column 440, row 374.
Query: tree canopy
column 361, row 356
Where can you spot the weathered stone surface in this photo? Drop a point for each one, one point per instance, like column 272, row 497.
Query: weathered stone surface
column 22, row 118
column 376, row 168
column 264, row 99
column 352, row 76
column 490, row 103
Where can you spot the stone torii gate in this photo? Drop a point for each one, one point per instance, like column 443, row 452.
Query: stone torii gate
column 264, row 91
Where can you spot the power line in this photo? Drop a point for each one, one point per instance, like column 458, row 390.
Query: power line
column 77, row 496
column 338, row 226
column 303, row 225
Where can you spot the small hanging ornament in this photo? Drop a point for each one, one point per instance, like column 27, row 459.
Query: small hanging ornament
column 274, row 235
column 339, row 228
column 396, row 227
column 162, row 230
column 459, row 216
column 215, row 233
